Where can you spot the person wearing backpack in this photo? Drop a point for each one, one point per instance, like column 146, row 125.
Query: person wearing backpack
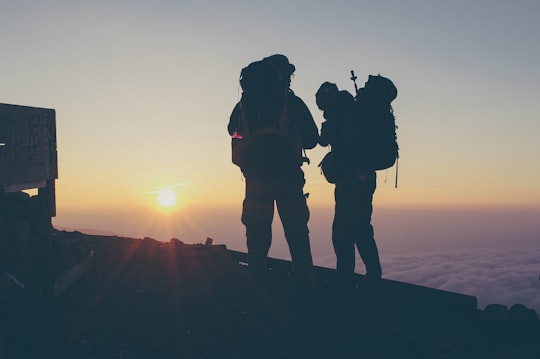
column 270, row 128
column 351, row 131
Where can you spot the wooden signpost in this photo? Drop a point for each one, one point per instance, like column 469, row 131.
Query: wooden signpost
column 28, row 157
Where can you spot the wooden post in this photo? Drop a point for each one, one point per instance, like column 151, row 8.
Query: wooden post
column 47, row 203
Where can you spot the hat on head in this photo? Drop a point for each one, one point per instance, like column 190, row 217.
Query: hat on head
column 282, row 64
column 326, row 95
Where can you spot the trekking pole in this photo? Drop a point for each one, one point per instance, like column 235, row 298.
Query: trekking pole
column 353, row 78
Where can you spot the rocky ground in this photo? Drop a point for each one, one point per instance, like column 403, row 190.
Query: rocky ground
column 139, row 298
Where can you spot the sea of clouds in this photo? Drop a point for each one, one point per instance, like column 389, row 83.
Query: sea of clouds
column 492, row 254
column 500, row 275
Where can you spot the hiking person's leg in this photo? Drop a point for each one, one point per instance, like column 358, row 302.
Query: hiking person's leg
column 342, row 234
column 365, row 240
column 294, row 214
column 257, row 215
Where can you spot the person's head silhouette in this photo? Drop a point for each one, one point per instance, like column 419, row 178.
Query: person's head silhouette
column 283, row 67
column 326, row 95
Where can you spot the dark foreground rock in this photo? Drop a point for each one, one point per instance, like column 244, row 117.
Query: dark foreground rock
column 140, row 298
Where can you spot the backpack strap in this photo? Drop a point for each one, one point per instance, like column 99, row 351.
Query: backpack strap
column 244, row 126
column 281, row 126
column 397, row 167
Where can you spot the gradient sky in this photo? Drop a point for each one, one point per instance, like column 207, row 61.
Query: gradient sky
column 143, row 91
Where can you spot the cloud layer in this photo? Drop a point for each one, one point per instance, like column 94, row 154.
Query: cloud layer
column 502, row 275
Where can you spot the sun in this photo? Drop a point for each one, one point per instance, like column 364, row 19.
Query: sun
column 166, row 197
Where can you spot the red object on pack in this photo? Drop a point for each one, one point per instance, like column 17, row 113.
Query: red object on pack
column 237, row 135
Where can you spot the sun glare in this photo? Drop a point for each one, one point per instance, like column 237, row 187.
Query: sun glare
column 166, row 198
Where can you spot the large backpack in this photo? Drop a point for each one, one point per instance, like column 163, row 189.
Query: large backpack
column 367, row 129
column 264, row 144
column 373, row 103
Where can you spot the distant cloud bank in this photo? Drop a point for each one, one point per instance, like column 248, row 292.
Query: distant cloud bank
column 505, row 275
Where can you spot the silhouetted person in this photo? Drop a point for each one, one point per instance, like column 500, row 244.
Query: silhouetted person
column 282, row 126
column 344, row 129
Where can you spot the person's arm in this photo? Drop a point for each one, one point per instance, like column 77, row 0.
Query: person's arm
column 306, row 125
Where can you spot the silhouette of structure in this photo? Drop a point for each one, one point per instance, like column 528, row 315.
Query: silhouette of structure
column 28, row 160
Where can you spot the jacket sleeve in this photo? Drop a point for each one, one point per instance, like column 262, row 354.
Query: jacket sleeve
column 234, row 120
column 326, row 134
column 305, row 123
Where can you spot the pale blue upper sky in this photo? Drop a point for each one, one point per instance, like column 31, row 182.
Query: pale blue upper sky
column 143, row 90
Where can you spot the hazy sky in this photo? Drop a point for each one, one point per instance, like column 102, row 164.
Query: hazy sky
column 143, row 91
